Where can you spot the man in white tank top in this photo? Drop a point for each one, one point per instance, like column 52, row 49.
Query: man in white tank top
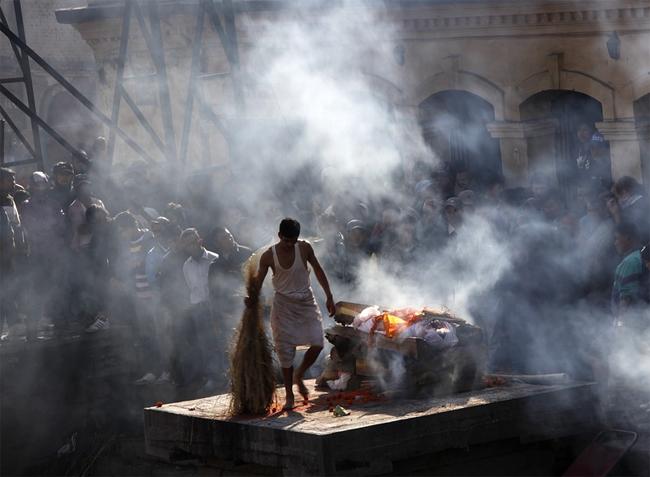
column 295, row 317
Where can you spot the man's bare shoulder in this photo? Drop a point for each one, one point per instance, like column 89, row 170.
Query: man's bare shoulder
column 267, row 256
column 305, row 246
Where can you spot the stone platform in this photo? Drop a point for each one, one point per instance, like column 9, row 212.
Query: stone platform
column 311, row 441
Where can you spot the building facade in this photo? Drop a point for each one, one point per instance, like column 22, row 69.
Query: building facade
column 521, row 76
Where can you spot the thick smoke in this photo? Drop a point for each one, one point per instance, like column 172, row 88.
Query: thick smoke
column 354, row 142
column 319, row 130
column 329, row 125
column 333, row 135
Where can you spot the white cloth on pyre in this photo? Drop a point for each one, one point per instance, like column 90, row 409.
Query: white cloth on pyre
column 295, row 317
column 436, row 332
column 364, row 320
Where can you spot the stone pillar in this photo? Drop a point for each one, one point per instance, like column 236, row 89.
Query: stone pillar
column 643, row 134
column 624, row 148
column 520, row 147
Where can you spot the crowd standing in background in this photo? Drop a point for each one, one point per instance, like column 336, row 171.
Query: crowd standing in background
column 83, row 249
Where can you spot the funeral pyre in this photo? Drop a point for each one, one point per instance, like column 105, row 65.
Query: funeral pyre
column 406, row 350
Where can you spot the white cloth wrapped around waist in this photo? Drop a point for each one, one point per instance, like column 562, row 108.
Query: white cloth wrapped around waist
column 296, row 320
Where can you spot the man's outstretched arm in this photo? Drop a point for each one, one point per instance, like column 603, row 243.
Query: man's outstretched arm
column 322, row 279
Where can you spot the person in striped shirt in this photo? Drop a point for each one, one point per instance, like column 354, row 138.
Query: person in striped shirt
column 136, row 243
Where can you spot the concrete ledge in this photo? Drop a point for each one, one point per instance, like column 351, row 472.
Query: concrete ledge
column 310, row 441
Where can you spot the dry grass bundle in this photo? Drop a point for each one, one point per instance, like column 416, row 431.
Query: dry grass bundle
column 251, row 361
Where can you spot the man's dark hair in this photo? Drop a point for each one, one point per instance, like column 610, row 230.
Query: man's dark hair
column 125, row 220
column 290, row 228
column 628, row 230
column 63, row 168
column 6, row 172
column 176, row 213
column 21, row 196
column 626, row 184
column 92, row 211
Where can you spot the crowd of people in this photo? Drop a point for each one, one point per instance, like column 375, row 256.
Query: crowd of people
column 86, row 249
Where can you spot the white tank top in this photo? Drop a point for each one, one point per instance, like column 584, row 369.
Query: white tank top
column 292, row 282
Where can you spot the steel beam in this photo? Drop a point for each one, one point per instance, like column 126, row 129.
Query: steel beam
column 29, row 87
column 14, row 127
column 3, row 20
column 192, row 84
column 119, row 77
column 142, row 119
column 2, row 142
column 231, row 34
column 40, row 122
column 158, row 54
column 226, row 31
column 75, row 93
column 228, row 41
column 19, row 79
column 153, row 39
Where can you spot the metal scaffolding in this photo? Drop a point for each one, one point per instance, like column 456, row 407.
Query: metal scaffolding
column 22, row 59
column 2, row 142
column 147, row 15
column 228, row 38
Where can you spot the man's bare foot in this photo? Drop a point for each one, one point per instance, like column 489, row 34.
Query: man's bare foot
column 302, row 389
column 289, row 403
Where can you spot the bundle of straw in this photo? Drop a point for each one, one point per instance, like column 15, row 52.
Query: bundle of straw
column 251, row 361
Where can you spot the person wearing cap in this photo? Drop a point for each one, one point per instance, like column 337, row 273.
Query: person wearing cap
column 174, row 304
column 10, row 230
column 453, row 213
column 631, row 205
column 165, row 234
column 357, row 247
column 592, row 161
column 98, row 151
column 627, row 290
column 102, row 256
column 7, row 189
column 44, row 225
column 467, row 197
column 61, row 190
column 135, row 244
column 628, row 380
column 81, row 163
column 21, row 199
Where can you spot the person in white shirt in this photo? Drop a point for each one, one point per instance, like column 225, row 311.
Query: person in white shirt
column 199, row 330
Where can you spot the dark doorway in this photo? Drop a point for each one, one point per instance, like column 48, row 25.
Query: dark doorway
column 571, row 112
column 454, row 126
column 642, row 117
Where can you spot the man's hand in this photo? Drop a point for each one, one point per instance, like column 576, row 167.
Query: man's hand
column 331, row 307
